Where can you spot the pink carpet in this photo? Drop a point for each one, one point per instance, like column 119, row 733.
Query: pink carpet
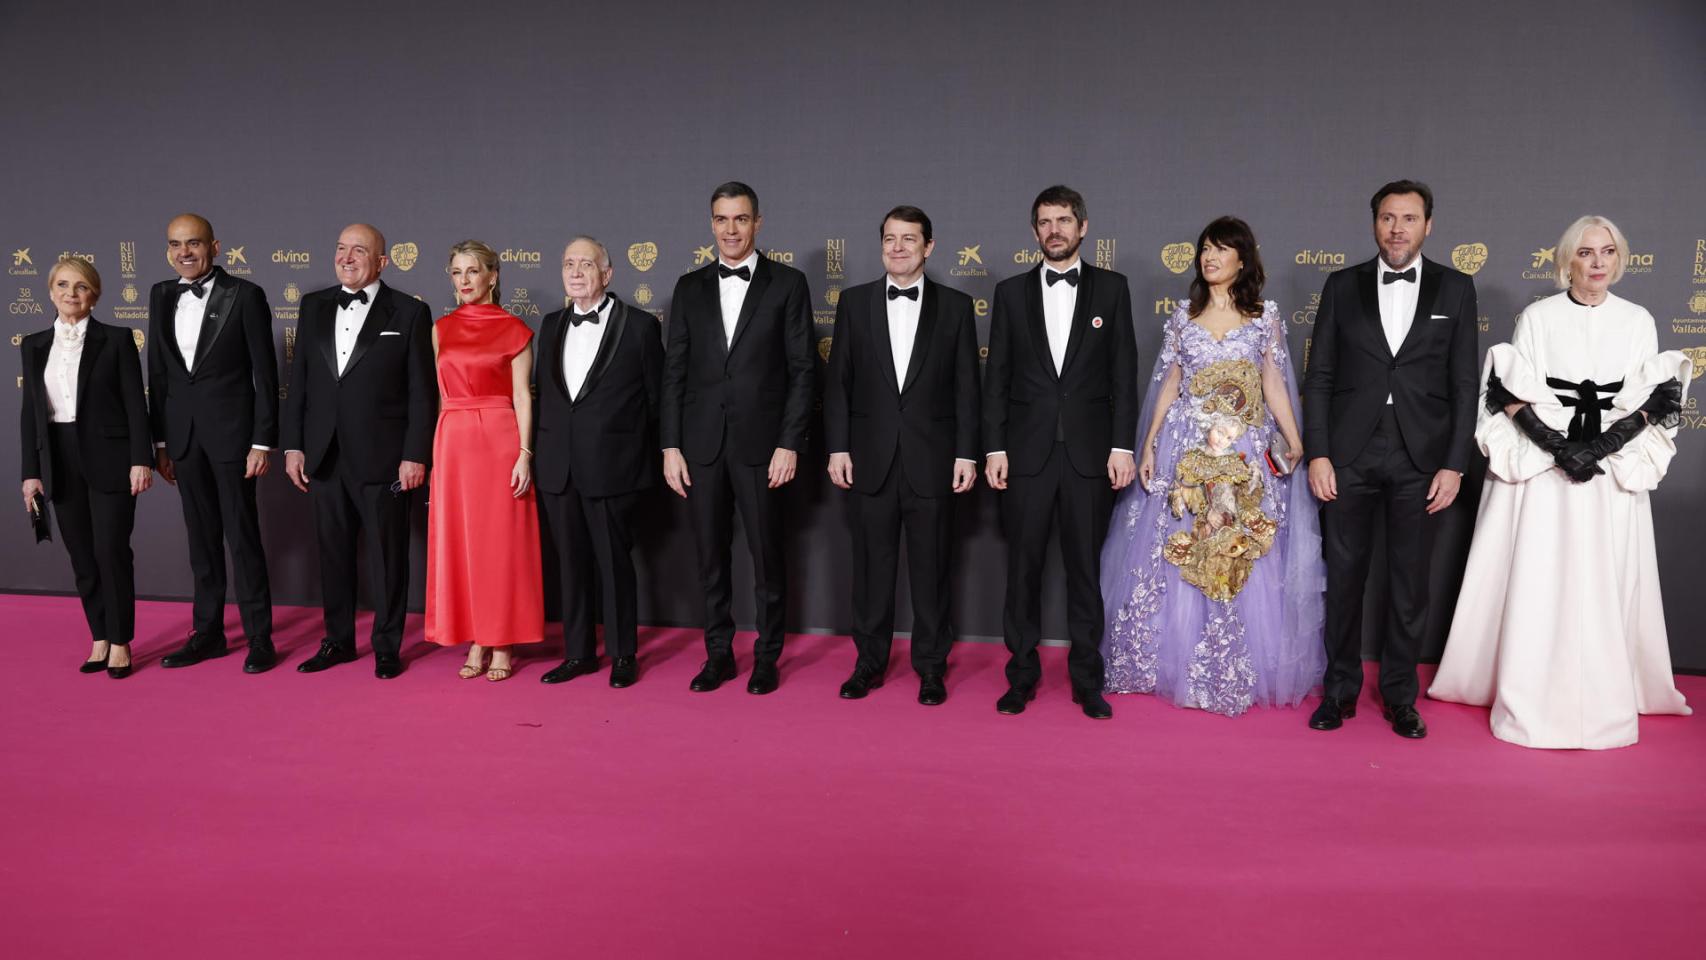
column 204, row 813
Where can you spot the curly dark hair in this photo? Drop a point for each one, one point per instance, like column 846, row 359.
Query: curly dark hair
column 1247, row 286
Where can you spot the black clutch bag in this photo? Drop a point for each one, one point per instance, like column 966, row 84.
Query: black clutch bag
column 39, row 519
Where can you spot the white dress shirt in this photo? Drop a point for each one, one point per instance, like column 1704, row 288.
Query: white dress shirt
column 1060, row 299
column 349, row 323
column 60, row 379
column 903, row 324
column 580, row 347
column 731, row 291
column 1397, row 304
column 186, row 323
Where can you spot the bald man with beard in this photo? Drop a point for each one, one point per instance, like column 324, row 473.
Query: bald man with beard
column 358, row 425
column 213, row 410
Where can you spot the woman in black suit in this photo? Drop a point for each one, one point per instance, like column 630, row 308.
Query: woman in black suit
column 86, row 449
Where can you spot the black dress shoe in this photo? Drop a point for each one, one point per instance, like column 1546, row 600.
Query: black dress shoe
column 329, row 655
column 624, row 671
column 932, row 689
column 387, row 668
column 1013, row 701
column 570, row 669
column 1332, row 713
column 197, row 649
column 261, row 656
column 93, row 666
column 712, row 674
column 1095, row 705
column 1406, row 722
column 862, row 681
column 765, row 678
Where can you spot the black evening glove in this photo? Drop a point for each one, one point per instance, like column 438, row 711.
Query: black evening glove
column 1568, row 456
column 1607, row 443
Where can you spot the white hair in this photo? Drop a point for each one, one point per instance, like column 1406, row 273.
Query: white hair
column 1572, row 238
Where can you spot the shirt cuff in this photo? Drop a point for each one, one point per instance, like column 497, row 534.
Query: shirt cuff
column 287, row 452
column 256, row 446
column 965, row 460
column 160, row 446
column 996, row 453
column 1121, row 450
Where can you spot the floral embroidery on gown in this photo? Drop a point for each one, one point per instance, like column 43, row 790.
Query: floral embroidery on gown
column 1213, row 576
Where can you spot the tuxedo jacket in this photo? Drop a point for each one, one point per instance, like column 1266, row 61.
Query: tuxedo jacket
column 384, row 407
column 604, row 437
column 226, row 396
column 751, row 394
column 930, row 419
column 112, row 416
column 1433, row 379
column 1091, row 403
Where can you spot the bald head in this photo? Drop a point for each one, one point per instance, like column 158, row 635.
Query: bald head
column 360, row 256
column 190, row 246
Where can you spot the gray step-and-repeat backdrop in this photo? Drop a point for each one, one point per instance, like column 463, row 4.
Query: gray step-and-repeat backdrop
column 522, row 124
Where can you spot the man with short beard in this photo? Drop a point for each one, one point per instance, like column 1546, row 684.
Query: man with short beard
column 1059, row 401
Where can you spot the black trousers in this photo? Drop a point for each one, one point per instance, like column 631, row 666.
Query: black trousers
column 1030, row 507
column 345, row 510
column 879, row 519
column 1380, row 478
column 95, row 527
column 719, row 488
column 219, row 509
column 595, row 559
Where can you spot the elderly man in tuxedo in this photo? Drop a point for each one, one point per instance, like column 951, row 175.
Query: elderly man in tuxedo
column 358, row 422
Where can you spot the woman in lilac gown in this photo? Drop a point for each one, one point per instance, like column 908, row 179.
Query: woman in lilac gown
column 1212, row 572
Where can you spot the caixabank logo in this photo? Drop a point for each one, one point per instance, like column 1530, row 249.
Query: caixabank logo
column 968, row 262
column 23, row 265
column 237, row 261
column 703, row 255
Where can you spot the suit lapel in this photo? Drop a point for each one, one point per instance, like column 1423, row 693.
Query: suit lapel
column 713, row 294
column 1080, row 314
column 606, row 346
column 378, row 316
column 1037, row 323
column 554, row 337
column 1368, row 292
column 1429, row 280
column 219, row 301
column 921, row 337
column 169, row 325
column 880, row 325
column 93, row 339
column 38, row 362
column 754, row 290
column 322, row 327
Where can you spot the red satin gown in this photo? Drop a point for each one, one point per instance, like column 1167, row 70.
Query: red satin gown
column 483, row 579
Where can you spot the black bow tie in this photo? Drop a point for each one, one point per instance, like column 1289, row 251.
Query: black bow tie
column 346, row 298
column 199, row 288
column 576, row 319
column 1070, row 276
column 1408, row 276
column 743, row 272
column 910, row 293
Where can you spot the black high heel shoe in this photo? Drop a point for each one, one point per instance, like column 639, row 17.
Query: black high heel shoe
column 118, row 673
column 92, row 666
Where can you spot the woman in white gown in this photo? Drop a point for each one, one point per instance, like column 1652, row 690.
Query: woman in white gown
column 1560, row 627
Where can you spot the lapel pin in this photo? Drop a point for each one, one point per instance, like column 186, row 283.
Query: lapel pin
column 1096, row 322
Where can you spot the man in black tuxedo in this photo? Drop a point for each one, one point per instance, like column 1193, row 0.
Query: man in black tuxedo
column 737, row 393
column 1059, row 397
column 902, row 405
column 213, row 407
column 598, row 377
column 1388, row 413
column 358, row 423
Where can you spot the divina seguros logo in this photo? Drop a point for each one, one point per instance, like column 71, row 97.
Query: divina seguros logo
column 294, row 259
column 1324, row 260
column 522, row 259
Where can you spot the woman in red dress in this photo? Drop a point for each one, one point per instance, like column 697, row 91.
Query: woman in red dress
column 483, row 579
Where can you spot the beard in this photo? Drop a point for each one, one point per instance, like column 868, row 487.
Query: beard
column 1066, row 255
